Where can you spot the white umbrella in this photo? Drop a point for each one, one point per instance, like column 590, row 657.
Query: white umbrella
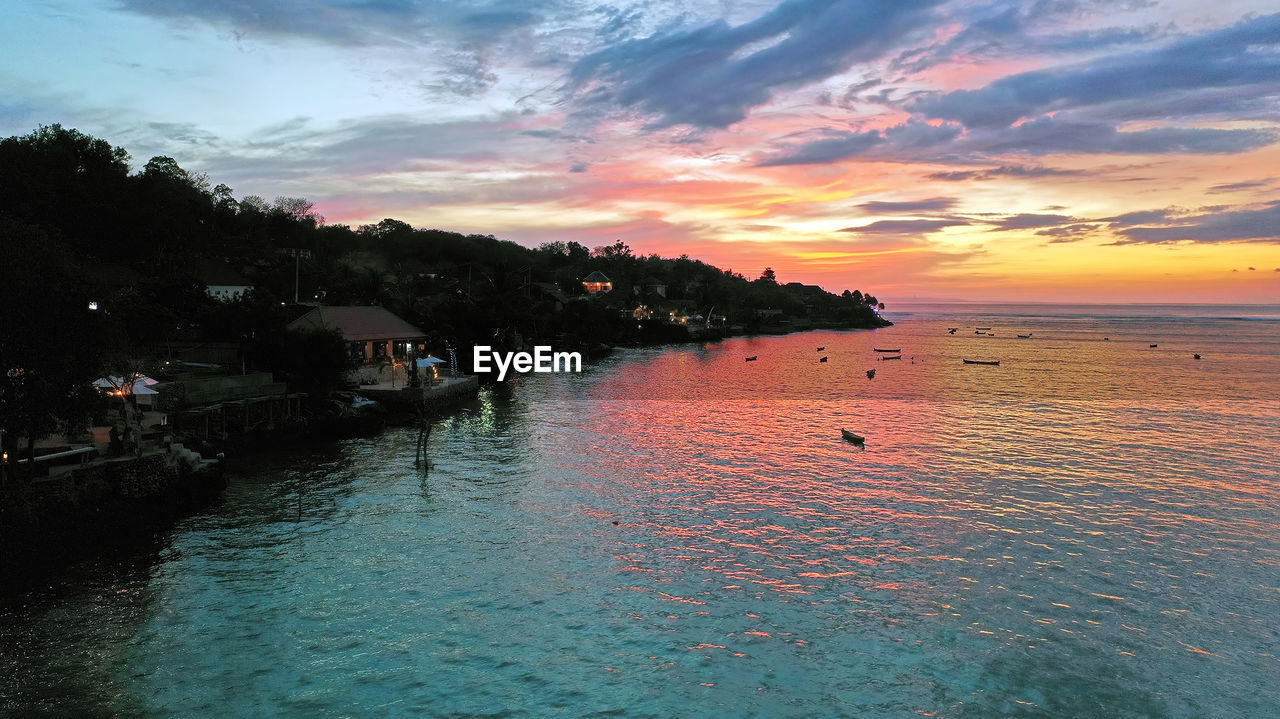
column 141, row 385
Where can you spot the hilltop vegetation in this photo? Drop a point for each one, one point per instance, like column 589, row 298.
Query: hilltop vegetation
column 161, row 223
column 79, row 225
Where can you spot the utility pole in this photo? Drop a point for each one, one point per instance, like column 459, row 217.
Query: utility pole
column 298, row 254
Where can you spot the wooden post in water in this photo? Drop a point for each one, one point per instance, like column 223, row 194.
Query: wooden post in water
column 425, row 420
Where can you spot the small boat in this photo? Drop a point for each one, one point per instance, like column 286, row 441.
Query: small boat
column 1154, row 346
column 821, row 348
column 877, row 349
column 753, row 358
column 850, row 436
column 992, row 362
column 1024, row 337
column 822, row 359
column 1106, row 339
column 952, row 330
column 982, row 328
column 1197, row 356
column 871, row 373
column 979, row 332
column 889, row 357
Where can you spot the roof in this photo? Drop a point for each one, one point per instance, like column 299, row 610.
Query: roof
column 551, row 291
column 358, row 324
column 597, row 276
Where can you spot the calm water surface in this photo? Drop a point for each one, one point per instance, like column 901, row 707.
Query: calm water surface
column 1091, row 528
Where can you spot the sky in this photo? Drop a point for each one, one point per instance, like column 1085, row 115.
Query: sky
column 1037, row 150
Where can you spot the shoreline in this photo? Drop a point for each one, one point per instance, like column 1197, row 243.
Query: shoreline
column 100, row 507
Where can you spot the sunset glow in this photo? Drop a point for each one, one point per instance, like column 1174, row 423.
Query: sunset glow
column 1077, row 151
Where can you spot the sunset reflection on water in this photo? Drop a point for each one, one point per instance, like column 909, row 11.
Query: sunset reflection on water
column 1090, row 528
column 1101, row 508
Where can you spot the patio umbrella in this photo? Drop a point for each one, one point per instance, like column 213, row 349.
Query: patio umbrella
column 141, row 385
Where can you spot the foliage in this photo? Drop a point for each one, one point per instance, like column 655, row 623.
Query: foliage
column 313, row 361
column 52, row 345
column 144, row 232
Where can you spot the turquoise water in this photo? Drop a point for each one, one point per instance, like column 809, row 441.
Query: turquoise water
column 1091, row 528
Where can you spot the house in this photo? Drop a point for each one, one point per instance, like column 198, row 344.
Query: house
column 597, row 283
column 371, row 332
column 549, row 291
column 220, row 281
column 653, row 286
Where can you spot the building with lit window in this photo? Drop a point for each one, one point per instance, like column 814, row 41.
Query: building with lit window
column 597, row 283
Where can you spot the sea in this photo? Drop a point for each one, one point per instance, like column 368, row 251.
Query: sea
column 1090, row 528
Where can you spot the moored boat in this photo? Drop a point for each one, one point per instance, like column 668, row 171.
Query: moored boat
column 821, row 348
column 889, row 357
column 822, row 359
column 991, row 362
column 753, row 358
column 877, row 349
column 871, row 373
column 850, row 436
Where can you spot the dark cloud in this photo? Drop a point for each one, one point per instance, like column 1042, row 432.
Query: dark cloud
column 916, row 135
column 999, row 31
column 578, row 167
column 1002, row 171
column 1248, row 225
column 906, row 226
column 1241, row 55
column 1027, row 221
column 355, row 22
column 835, row 146
column 1048, row 136
column 1234, row 186
column 1068, row 233
column 1143, row 217
column 712, row 75
column 933, row 204
column 1045, row 136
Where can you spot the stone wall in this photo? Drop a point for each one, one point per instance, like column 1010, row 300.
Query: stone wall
column 49, row 515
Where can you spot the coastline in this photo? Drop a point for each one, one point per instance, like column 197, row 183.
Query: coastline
column 83, row 512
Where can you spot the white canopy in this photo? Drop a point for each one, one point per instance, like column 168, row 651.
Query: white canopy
column 141, row 385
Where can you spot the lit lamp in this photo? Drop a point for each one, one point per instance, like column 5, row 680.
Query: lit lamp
column 93, row 305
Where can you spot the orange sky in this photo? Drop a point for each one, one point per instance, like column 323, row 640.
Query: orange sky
column 926, row 148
